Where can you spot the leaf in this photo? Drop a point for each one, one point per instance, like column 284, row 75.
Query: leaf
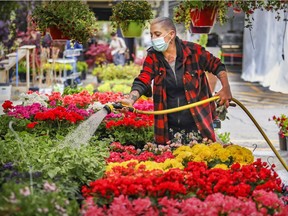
column 53, row 173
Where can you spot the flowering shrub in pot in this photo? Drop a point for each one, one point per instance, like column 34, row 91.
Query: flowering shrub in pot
column 73, row 18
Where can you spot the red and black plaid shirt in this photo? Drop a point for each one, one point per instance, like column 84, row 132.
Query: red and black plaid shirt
column 196, row 61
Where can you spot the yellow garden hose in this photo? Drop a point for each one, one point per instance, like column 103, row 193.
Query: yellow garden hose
column 161, row 112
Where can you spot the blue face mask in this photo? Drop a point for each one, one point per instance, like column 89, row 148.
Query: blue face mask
column 159, row 44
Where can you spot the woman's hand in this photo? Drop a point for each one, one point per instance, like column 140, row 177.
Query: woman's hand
column 127, row 102
column 225, row 96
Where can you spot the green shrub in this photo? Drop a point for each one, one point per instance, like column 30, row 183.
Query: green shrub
column 112, row 72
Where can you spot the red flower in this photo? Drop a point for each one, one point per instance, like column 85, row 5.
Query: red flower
column 7, row 105
column 31, row 125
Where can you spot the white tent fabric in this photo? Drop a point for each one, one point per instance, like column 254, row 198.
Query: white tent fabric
column 263, row 63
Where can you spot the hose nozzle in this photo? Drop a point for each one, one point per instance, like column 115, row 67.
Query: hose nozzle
column 109, row 107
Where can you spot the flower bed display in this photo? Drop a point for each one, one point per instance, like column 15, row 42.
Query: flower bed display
column 120, row 171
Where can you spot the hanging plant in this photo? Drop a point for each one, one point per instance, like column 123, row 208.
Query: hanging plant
column 73, row 18
column 182, row 13
column 131, row 10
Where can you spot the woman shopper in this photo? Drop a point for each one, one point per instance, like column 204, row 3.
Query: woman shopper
column 118, row 47
column 177, row 69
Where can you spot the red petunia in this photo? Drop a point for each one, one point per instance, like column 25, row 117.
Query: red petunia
column 31, row 125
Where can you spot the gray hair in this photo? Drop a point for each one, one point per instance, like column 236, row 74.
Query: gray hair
column 166, row 22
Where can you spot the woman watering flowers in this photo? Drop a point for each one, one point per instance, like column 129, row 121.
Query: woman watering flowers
column 177, row 69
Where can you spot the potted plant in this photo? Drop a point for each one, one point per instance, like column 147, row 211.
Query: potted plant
column 282, row 123
column 248, row 8
column 73, row 18
column 98, row 54
column 196, row 13
column 131, row 15
column 200, row 14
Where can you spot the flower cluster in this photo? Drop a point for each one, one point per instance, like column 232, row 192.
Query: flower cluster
column 33, row 97
column 82, row 99
column 58, row 113
column 120, row 153
column 107, row 97
column 215, row 156
column 7, row 105
column 261, row 202
column 27, row 112
column 195, row 180
column 282, row 124
column 131, row 120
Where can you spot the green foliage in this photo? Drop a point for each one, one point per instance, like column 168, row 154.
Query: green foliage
column 18, row 125
column 69, row 90
column 123, row 86
column 81, row 66
column 113, row 72
column 73, row 18
column 22, row 67
column 20, row 199
column 203, row 40
column 125, row 11
column 7, row 7
column 131, row 135
column 46, row 155
column 224, row 137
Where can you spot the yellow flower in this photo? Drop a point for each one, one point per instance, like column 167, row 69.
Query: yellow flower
column 215, row 146
column 151, row 165
column 221, row 166
column 241, row 154
column 181, row 149
column 110, row 166
column 172, row 163
column 184, row 156
column 223, row 155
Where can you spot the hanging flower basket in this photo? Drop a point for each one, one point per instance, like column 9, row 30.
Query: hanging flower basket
column 203, row 18
column 134, row 30
column 199, row 30
column 56, row 34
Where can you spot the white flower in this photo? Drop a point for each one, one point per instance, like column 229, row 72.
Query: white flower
column 29, row 99
column 25, row 191
column 96, row 106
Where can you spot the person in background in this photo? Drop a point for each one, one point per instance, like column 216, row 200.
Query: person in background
column 118, row 47
column 177, row 69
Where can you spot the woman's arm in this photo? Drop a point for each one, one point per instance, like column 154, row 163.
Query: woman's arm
column 142, row 83
column 225, row 92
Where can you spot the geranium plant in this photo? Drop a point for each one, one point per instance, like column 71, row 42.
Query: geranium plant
column 282, row 123
column 73, row 18
column 131, row 10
